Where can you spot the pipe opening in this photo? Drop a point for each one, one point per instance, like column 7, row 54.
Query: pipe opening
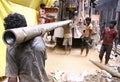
column 9, row 37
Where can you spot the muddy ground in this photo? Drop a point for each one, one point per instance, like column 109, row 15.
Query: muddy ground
column 74, row 67
column 73, row 62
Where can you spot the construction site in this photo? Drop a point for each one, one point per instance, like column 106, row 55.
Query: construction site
column 62, row 66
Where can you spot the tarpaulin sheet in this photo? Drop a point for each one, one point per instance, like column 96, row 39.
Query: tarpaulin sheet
column 33, row 3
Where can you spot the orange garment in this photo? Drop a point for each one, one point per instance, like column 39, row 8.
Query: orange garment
column 87, row 30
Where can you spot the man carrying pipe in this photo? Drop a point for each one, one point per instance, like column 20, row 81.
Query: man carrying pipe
column 26, row 51
column 25, row 60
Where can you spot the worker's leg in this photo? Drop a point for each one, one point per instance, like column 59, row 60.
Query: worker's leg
column 65, row 44
column 82, row 46
column 108, row 52
column 66, row 49
column 87, row 50
column 87, row 45
column 102, row 51
column 70, row 44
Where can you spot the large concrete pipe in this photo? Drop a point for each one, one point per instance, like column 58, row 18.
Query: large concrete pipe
column 19, row 35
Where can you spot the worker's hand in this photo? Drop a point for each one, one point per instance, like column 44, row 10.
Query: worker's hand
column 43, row 32
column 99, row 41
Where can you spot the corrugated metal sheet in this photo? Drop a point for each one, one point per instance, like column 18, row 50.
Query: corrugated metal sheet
column 107, row 9
column 103, row 4
column 118, row 7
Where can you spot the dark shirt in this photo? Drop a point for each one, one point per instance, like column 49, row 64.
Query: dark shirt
column 26, row 61
column 109, row 35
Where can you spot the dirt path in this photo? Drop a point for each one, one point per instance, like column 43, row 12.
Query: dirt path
column 74, row 62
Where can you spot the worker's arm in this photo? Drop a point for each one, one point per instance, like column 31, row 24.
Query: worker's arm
column 115, row 43
column 116, row 39
column 102, row 35
column 101, row 38
column 91, row 29
column 12, row 79
column 90, row 33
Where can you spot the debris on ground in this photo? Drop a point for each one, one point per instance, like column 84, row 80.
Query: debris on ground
column 98, row 76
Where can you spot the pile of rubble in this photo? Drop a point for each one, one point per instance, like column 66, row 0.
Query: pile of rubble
column 102, row 76
column 98, row 76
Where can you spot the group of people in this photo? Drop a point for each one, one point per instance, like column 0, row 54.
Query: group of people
column 86, row 40
column 26, row 61
column 108, row 38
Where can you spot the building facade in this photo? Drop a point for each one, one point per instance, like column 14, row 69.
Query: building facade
column 109, row 10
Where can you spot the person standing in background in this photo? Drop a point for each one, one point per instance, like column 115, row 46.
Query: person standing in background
column 109, row 35
column 67, row 42
column 42, row 15
column 86, row 40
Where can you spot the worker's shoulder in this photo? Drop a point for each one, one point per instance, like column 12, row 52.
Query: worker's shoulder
column 38, row 41
column 38, row 38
